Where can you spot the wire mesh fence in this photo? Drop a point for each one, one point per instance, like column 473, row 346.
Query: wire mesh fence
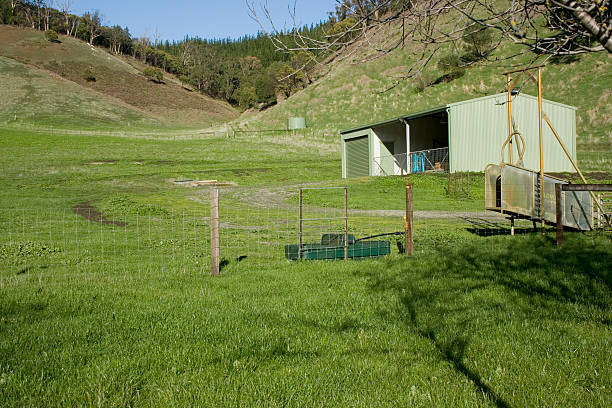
column 280, row 136
column 252, row 233
column 81, row 237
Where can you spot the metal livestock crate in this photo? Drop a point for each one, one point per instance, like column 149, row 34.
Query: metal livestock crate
column 332, row 247
column 516, row 191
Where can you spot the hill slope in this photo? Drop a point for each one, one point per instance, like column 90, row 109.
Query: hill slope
column 47, row 86
column 357, row 93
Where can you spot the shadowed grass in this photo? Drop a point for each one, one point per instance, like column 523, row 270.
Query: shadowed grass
column 517, row 323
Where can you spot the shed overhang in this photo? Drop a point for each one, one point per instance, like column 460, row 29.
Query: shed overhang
column 401, row 119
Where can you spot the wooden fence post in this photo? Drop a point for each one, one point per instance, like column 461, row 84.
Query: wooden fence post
column 300, row 224
column 214, row 231
column 559, row 207
column 408, row 223
column 346, row 243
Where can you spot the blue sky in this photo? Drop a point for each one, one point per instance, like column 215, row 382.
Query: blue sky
column 203, row 18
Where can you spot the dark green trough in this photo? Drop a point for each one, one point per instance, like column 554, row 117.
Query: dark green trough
column 332, row 247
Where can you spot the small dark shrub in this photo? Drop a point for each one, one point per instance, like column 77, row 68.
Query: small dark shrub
column 89, row 74
column 154, row 75
column 51, row 36
column 478, row 45
column 564, row 59
column 452, row 67
column 419, row 83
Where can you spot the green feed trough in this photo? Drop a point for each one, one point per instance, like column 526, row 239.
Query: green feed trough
column 332, row 247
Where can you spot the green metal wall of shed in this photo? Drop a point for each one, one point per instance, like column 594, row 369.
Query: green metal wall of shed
column 478, row 128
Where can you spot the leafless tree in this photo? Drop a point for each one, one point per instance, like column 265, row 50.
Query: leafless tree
column 46, row 8
column 30, row 11
column 93, row 21
column 544, row 27
column 39, row 5
column 64, row 8
column 156, row 37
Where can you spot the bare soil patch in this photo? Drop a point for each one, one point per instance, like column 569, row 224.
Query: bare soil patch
column 98, row 163
column 595, row 175
column 247, row 172
column 91, row 213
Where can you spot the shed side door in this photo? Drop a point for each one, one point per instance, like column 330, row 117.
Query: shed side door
column 358, row 157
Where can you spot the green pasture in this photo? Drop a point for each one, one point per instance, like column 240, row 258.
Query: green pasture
column 118, row 308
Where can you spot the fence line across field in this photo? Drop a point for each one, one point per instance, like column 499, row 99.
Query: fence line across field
column 249, row 235
column 80, row 237
column 225, row 133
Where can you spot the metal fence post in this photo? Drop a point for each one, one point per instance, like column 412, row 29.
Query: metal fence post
column 559, row 208
column 214, row 231
column 408, row 223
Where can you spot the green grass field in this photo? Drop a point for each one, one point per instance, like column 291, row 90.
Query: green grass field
column 105, row 294
column 110, row 314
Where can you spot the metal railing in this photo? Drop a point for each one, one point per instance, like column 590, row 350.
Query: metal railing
column 414, row 162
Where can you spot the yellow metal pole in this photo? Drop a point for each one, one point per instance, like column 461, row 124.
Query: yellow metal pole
column 541, row 146
column 509, row 103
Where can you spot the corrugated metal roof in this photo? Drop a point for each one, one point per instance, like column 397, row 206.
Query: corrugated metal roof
column 445, row 107
column 504, row 95
column 397, row 119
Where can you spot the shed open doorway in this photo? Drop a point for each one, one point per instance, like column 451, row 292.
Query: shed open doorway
column 428, row 142
column 411, row 144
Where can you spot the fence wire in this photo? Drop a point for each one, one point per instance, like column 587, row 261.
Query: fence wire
column 83, row 238
column 251, row 235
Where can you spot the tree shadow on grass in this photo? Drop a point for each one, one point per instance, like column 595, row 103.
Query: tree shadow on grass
column 489, row 232
column 449, row 293
column 580, row 272
column 450, row 350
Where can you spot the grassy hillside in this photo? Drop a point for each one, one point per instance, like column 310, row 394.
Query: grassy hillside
column 358, row 93
column 62, row 96
column 33, row 97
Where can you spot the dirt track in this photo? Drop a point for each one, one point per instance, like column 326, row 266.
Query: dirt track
column 91, row 213
column 277, row 198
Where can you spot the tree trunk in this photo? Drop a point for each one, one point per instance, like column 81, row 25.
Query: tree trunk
column 75, row 25
column 29, row 17
column 38, row 17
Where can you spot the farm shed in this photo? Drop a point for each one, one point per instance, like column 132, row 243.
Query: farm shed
column 461, row 136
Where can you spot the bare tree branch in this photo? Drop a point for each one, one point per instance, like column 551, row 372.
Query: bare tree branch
column 544, row 27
